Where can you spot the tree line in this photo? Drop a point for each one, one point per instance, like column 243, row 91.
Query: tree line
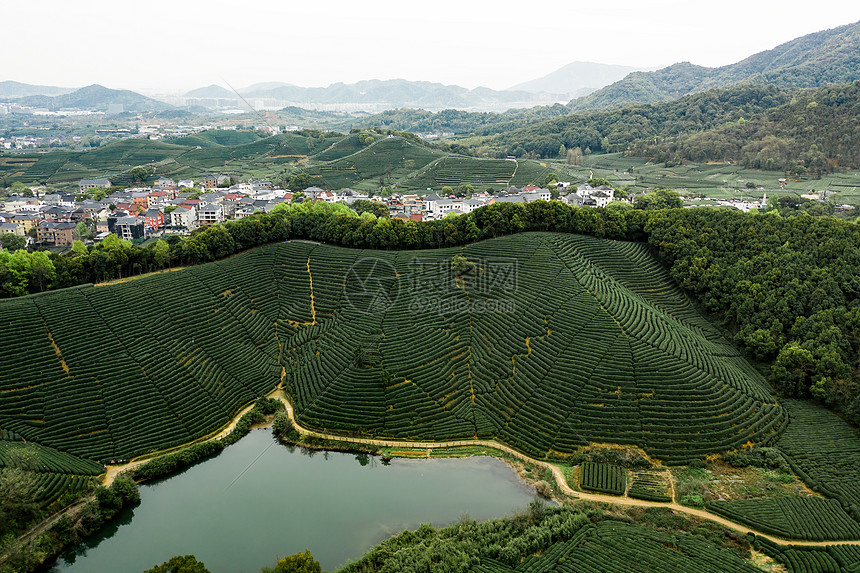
column 787, row 287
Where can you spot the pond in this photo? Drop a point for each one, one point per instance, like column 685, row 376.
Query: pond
column 258, row 501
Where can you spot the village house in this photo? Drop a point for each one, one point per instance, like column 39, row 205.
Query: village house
column 159, row 197
column 140, row 199
column 471, row 204
column 12, row 229
column 210, row 181
column 261, row 185
column 602, row 198
column 183, row 217
column 510, row 199
column 153, row 219
column 573, row 199
column 210, row 214
column 27, row 219
column 51, row 233
column 243, row 212
column 17, row 203
column 127, row 228
column 86, row 184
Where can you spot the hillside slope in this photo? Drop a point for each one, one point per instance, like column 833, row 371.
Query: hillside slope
column 96, row 98
column 619, row 129
column 813, row 133
column 825, row 58
column 13, row 89
column 418, row 344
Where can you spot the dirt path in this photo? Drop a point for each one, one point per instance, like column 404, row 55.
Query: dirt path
column 559, row 478
column 113, row 471
column 46, row 524
column 558, row 475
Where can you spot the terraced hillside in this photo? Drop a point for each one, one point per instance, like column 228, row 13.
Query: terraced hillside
column 454, row 171
column 335, row 161
column 390, row 158
column 546, row 342
column 54, row 473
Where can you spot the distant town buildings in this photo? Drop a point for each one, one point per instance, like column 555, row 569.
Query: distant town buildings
column 136, row 214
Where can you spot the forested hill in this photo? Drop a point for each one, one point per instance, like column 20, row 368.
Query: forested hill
column 764, row 127
column 825, row 58
column 456, row 121
column 813, row 133
column 618, row 130
column 96, row 98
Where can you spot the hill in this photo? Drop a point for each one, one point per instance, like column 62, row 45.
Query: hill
column 825, row 58
column 813, row 133
column 12, row 89
column 218, row 137
column 220, row 151
column 337, row 161
column 386, row 160
column 97, row 98
column 576, row 78
column 213, row 91
column 384, row 343
column 454, row 121
column 618, row 130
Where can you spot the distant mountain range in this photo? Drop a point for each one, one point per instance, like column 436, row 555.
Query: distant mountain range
column 572, row 80
column 373, row 95
column 211, row 91
column 830, row 57
column 95, row 98
column 577, row 79
column 10, row 89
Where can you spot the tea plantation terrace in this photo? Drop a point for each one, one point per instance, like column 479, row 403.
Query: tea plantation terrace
column 546, row 342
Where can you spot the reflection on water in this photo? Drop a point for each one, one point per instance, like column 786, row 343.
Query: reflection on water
column 258, row 501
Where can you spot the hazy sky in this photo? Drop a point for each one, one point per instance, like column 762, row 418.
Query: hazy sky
column 171, row 46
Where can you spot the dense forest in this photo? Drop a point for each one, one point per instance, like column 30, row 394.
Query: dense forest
column 763, row 127
column 542, row 131
column 812, row 134
column 786, row 285
column 619, row 130
column 457, row 121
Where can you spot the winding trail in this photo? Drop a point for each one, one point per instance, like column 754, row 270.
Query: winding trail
column 558, row 475
column 115, row 470
column 559, row 479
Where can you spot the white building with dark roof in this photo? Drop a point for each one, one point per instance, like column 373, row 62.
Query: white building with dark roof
column 86, row 184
